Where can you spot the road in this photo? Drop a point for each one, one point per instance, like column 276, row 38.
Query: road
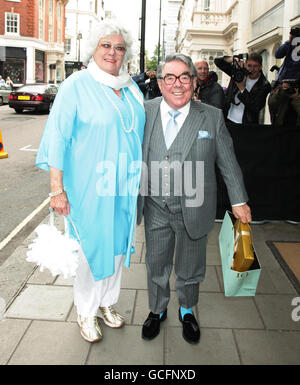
column 23, row 187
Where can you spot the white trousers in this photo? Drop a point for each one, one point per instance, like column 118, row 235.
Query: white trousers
column 90, row 294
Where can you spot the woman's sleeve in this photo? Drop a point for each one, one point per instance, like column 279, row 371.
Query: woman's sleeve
column 57, row 134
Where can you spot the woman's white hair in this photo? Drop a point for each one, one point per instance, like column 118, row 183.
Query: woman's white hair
column 106, row 28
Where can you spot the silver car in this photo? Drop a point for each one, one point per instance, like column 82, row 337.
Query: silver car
column 5, row 91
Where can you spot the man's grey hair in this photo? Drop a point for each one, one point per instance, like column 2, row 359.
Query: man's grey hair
column 177, row 57
column 103, row 29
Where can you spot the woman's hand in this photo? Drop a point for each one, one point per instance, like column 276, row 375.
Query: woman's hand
column 60, row 204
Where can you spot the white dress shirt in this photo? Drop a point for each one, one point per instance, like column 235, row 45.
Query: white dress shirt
column 165, row 116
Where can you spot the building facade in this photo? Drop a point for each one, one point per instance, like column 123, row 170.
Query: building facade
column 32, row 40
column 81, row 15
column 171, row 16
column 210, row 28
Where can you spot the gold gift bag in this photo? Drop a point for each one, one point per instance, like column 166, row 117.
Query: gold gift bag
column 243, row 256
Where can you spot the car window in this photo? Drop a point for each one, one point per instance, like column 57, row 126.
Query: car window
column 38, row 88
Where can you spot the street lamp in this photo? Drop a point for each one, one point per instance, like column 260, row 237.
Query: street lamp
column 143, row 25
column 163, row 47
column 159, row 27
column 79, row 37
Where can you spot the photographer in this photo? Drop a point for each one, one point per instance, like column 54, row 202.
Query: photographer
column 291, row 65
column 284, row 104
column 147, row 83
column 247, row 90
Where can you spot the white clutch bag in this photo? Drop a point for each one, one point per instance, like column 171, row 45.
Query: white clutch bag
column 55, row 251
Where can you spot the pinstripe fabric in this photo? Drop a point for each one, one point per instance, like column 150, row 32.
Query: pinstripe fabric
column 166, row 237
column 216, row 150
column 187, row 229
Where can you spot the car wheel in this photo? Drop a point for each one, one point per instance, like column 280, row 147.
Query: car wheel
column 1, row 100
column 19, row 110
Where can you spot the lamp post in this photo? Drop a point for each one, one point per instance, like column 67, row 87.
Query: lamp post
column 79, row 37
column 163, row 47
column 159, row 27
column 143, row 25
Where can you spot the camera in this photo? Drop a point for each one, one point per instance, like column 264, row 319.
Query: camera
column 238, row 72
column 295, row 31
column 294, row 84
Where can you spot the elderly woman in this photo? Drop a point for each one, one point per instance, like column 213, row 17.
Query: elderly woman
column 92, row 147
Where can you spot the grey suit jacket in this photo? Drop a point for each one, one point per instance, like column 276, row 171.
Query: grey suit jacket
column 207, row 141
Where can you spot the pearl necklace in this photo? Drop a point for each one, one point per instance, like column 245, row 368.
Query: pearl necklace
column 119, row 112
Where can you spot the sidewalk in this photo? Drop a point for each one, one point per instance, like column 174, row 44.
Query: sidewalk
column 40, row 323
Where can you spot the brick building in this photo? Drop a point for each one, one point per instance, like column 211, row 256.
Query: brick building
column 32, row 40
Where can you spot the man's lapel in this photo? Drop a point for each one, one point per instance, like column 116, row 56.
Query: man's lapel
column 152, row 110
column 193, row 123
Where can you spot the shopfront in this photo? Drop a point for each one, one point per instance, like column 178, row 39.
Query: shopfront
column 14, row 64
column 72, row 66
column 40, row 76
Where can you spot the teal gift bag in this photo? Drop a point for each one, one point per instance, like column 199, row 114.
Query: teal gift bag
column 235, row 283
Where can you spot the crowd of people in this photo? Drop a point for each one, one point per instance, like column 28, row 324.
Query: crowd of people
column 103, row 129
column 8, row 81
column 244, row 99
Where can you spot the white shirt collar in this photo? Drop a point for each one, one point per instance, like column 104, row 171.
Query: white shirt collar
column 165, row 108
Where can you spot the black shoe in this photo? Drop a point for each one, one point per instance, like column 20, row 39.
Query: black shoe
column 191, row 331
column 151, row 326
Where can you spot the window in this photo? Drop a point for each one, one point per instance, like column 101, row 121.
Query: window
column 206, row 5
column 67, row 45
column 59, row 19
column 50, row 20
column 12, row 23
column 41, row 19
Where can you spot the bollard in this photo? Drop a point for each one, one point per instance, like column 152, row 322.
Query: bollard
column 3, row 154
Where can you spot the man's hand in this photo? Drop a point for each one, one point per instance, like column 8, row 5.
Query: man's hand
column 242, row 85
column 242, row 212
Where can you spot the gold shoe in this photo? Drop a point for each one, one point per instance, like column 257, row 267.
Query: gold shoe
column 89, row 328
column 111, row 318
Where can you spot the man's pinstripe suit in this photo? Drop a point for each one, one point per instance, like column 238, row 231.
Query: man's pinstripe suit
column 203, row 141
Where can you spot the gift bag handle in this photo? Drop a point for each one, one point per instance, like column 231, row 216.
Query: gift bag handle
column 65, row 223
column 67, row 226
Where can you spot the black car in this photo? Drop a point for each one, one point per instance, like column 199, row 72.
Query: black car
column 38, row 97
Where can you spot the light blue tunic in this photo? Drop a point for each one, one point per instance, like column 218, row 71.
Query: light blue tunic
column 101, row 165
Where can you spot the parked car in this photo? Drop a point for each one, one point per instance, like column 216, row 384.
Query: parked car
column 5, row 91
column 38, row 97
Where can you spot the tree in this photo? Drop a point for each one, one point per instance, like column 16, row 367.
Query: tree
column 152, row 64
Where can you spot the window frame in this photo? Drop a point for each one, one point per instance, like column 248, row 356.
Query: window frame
column 6, row 23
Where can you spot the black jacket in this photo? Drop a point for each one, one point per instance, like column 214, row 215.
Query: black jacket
column 210, row 91
column 254, row 100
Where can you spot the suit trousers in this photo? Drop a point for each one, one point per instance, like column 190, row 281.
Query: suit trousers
column 165, row 234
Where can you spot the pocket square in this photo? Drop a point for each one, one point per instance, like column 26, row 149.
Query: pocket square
column 203, row 135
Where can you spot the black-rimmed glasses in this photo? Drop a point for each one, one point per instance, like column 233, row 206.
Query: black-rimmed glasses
column 184, row 78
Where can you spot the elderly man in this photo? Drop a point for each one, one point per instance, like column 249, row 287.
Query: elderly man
column 183, row 141
column 208, row 90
